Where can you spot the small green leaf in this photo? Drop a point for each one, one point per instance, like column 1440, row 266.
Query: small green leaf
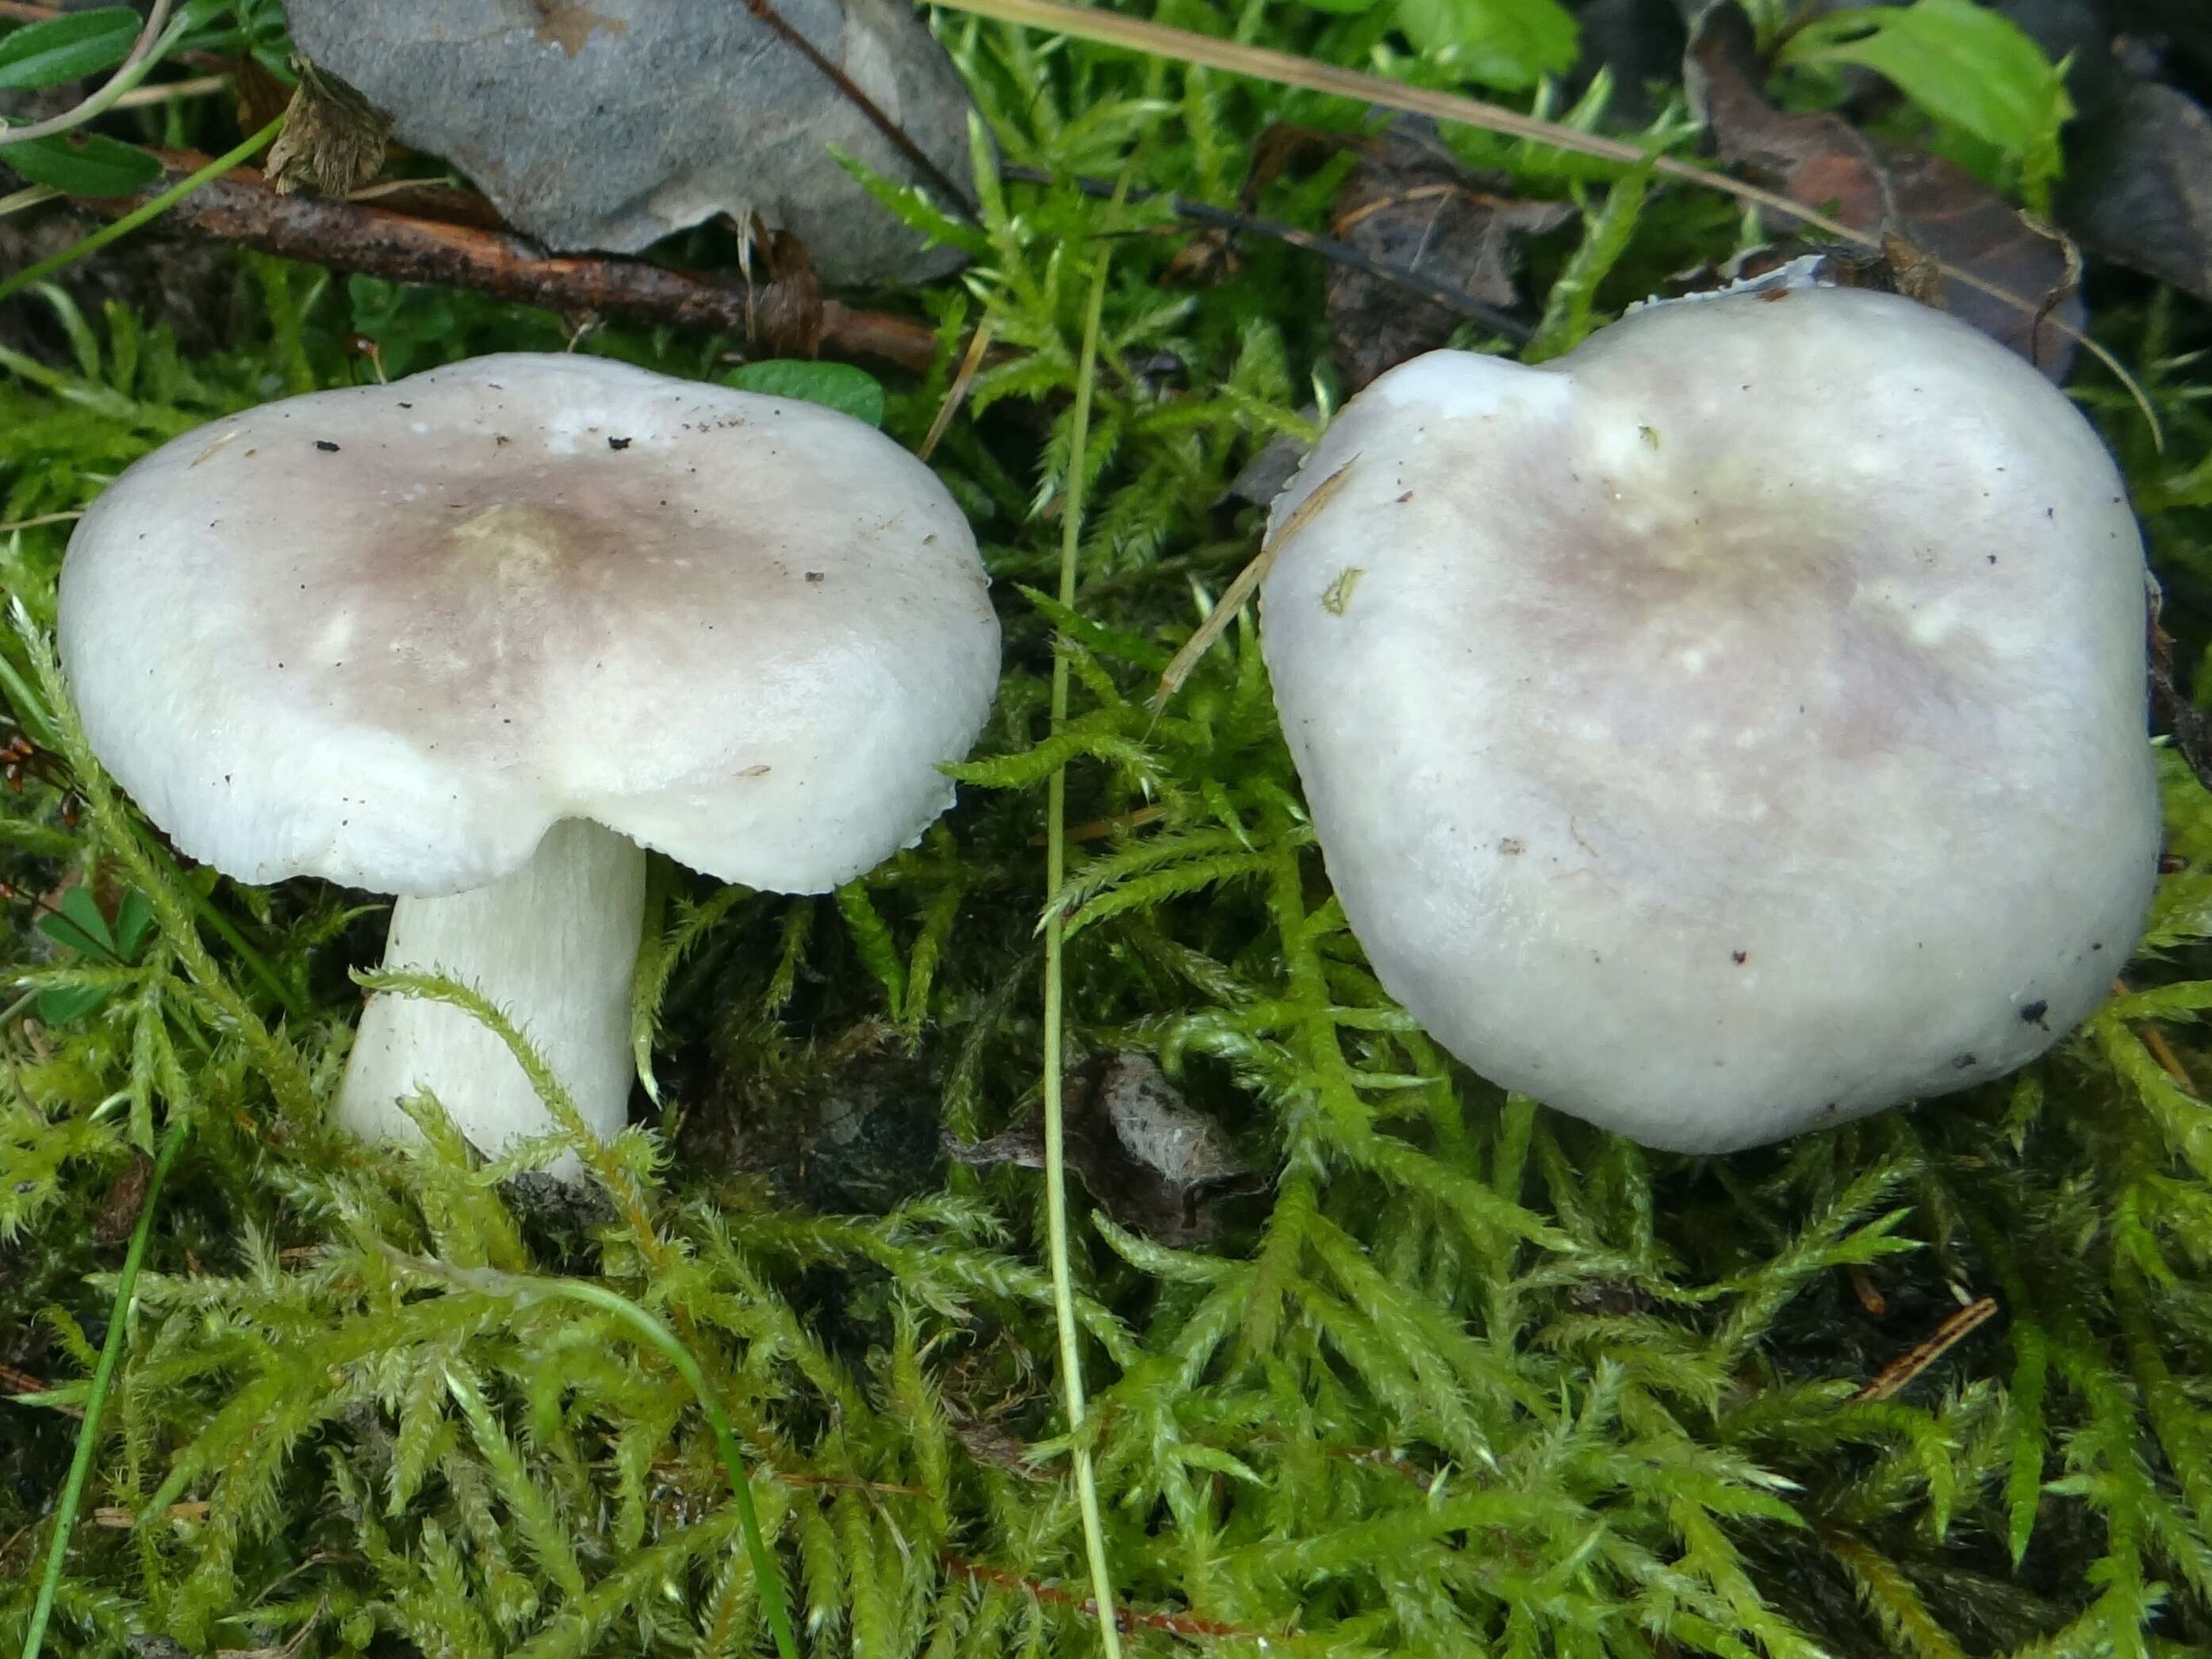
column 1343, row 8
column 211, row 24
column 134, row 919
column 1959, row 61
column 66, row 48
column 65, row 1003
column 839, row 386
column 1499, row 43
column 77, row 923
column 82, row 164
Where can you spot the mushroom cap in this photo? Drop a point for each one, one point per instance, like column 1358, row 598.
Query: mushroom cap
column 1733, row 727
column 390, row 635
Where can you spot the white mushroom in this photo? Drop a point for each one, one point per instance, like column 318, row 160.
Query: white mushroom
column 1735, row 727
column 476, row 637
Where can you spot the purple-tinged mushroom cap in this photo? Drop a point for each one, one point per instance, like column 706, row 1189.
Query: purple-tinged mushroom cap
column 1733, row 727
column 489, row 630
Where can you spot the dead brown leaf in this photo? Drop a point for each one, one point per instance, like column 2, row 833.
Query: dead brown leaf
column 333, row 141
column 126, row 1196
column 785, row 304
column 1915, row 273
column 1155, row 1164
column 1411, row 204
column 993, row 1443
column 1934, row 204
column 261, row 97
column 2139, row 193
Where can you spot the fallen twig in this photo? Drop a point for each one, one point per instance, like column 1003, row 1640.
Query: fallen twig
column 787, row 316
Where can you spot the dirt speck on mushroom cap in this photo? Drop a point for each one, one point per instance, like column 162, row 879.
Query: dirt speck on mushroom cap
column 1755, row 689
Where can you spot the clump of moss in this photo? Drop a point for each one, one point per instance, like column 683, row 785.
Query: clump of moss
column 1471, row 1377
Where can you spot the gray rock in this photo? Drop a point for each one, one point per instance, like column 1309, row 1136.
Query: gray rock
column 610, row 123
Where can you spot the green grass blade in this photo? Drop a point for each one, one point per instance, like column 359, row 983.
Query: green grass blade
column 103, row 1377
column 1055, row 929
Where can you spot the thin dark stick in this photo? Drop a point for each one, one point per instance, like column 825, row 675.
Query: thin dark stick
column 1499, row 322
column 784, row 316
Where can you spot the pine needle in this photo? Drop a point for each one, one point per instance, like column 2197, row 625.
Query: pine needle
column 1247, row 580
column 1920, row 1355
column 970, row 361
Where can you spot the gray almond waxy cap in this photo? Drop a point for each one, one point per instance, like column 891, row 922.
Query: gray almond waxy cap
column 1733, row 727
column 390, row 635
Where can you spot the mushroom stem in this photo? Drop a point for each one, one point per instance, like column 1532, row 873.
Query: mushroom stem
column 554, row 947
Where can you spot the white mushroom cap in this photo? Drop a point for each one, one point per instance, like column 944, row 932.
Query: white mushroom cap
column 1733, row 727
column 390, row 635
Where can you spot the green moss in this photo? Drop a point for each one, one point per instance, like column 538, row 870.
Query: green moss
column 1470, row 1378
